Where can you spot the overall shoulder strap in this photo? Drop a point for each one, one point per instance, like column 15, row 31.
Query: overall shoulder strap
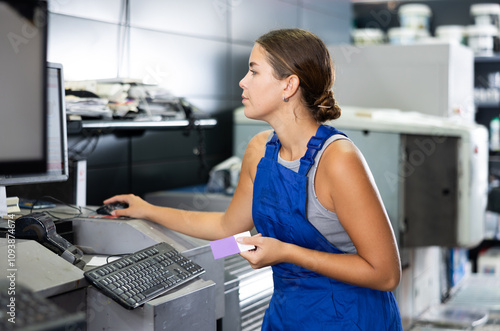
column 314, row 145
column 272, row 147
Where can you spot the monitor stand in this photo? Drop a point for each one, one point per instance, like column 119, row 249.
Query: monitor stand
column 7, row 205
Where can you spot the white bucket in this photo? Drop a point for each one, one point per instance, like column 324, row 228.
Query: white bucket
column 368, row 36
column 402, row 36
column 415, row 16
column 481, row 38
column 486, row 14
column 451, row 33
column 406, row 36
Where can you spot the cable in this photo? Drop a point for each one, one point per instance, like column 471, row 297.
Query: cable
column 115, row 255
column 91, row 140
column 47, row 197
column 202, row 153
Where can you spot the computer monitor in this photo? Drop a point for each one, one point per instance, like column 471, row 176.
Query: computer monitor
column 23, row 57
column 57, row 156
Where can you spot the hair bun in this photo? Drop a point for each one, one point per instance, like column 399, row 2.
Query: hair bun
column 327, row 107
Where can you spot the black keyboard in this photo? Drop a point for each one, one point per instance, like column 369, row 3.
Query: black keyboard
column 22, row 309
column 144, row 275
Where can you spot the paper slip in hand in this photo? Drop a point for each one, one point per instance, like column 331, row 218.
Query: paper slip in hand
column 229, row 246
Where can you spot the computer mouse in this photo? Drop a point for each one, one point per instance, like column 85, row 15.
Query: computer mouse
column 108, row 208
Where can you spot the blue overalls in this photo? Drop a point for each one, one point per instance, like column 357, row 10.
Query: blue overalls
column 302, row 299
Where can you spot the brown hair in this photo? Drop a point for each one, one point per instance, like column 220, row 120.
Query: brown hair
column 302, row 53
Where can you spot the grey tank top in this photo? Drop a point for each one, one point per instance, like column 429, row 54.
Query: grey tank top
column 324, row 220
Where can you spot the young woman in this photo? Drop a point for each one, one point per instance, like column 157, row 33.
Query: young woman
column 309, row 193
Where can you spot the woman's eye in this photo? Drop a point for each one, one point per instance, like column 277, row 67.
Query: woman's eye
column 252, row 72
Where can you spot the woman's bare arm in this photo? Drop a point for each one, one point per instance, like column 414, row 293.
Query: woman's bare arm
column 206, row 225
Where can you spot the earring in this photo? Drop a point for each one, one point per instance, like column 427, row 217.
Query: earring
column 285, row 99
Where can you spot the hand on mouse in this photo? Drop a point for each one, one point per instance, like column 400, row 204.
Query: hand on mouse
column 137, row 207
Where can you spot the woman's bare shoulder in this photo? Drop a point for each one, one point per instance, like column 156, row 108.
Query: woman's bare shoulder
column 257, row 144
column 262, row 137
column 341, row 148
column 346, row 158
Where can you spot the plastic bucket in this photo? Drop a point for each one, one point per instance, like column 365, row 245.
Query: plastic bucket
column 368, row 36
column 415, row 16
column 451, row 33
column 486, row 14
column 406, row 36
column 481, row 38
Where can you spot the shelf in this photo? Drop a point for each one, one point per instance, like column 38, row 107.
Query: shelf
column 488, row 105
column 487, row 59
column 494, row 156
column 130, row 125
column 134, row 125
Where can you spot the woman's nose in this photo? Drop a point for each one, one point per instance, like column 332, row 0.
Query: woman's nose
column 242, row 81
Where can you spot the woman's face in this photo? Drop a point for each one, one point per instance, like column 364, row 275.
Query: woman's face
column 262, row 92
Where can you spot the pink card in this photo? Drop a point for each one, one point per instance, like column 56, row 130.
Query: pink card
column 229, row 246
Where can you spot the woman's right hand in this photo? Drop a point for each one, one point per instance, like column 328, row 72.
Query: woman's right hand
column 137, row 207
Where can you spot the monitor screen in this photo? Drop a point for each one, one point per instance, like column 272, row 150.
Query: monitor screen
column 23, row 57
column 57, row 156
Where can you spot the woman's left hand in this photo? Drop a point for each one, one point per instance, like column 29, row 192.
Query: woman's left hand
column 268, row 251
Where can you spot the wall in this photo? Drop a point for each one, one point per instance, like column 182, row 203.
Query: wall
column 195, row 48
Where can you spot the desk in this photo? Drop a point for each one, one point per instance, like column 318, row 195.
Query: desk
column 194, row 306
column 137, row 234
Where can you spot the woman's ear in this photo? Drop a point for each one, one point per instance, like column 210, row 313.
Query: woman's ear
column 292, row 86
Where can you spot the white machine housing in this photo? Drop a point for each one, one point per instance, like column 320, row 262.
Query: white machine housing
column 434, row 79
